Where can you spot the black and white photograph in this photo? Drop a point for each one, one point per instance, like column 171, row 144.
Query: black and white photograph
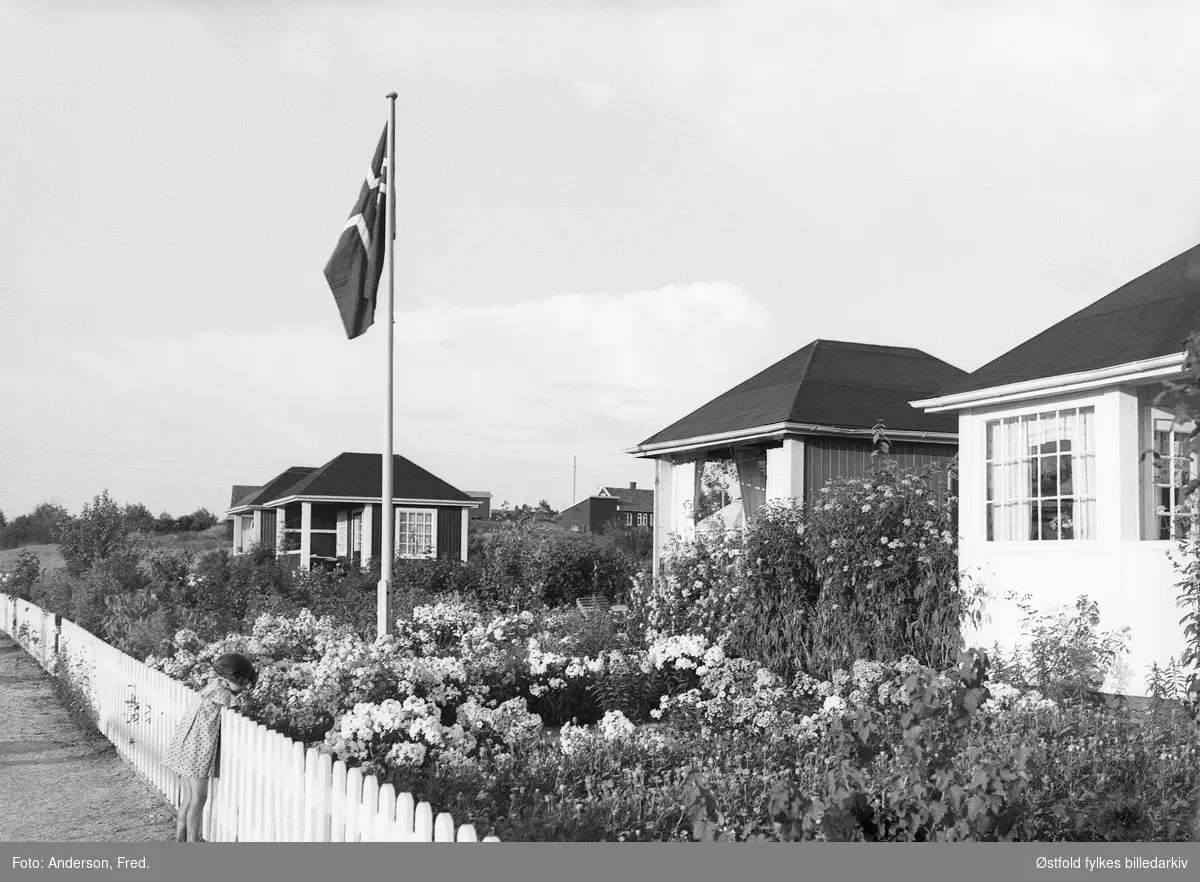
column 512, row 421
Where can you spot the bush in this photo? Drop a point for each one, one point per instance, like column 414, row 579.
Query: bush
column 569, row 567
column 22, row 579
column 1065, row 657
column 98, row 533
column 886, row 553
column 780, row 589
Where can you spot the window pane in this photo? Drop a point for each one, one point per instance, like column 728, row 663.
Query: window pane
column 1049, row 520
column 991, row 482
column 993, row 440
column 1048, row 432
column 1048, row 483
column 1066, row 512
column 1064, row 476
column 1066, row 430
column 991, row 523
column 1035, row 521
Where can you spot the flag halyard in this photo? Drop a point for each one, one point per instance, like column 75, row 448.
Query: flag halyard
column 354, row 269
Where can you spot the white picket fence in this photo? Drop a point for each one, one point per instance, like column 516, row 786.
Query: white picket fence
column 271, row 788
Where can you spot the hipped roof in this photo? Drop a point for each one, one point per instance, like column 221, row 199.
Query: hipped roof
column 357, row 476
column 828, row 383
column 1143, row 319
column 272, row 488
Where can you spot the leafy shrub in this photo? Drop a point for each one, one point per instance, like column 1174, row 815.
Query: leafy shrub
column 98, row 533
column 779, row 591
column 22, row 578
column 1065, row 656
column 886, row 553
column 569, row 567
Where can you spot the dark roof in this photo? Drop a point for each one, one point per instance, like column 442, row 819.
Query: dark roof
column 273, row 488
column 357, row 475
column 829, row 383
column 241, row 491
column 1146, row 318
column 631, row 499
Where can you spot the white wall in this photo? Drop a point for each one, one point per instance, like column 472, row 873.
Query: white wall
column 1131, row 580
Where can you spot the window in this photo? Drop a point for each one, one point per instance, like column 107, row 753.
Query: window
column 1173, row 470
column 643, row 519
column 247, row 532
column 414, row 533
column 628, row 519
column 1041, row 476
column 356, row 533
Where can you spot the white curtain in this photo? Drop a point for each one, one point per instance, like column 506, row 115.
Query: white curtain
column 1083, row 474
column 752, row 477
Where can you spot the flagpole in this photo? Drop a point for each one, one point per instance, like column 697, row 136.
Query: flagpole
column 388, row 516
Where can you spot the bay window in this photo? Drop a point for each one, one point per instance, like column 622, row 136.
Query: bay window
column 1041, row 476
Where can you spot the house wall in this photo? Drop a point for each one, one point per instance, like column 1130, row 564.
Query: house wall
column 1131, row 579
column 828, row 458
column 449, row 532
column 589, row 515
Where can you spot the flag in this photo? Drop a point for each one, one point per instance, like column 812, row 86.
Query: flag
column 354, row 269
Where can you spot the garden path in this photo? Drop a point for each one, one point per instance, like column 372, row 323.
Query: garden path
column 60, row 780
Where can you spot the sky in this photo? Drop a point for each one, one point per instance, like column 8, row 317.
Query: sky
column 608, row 214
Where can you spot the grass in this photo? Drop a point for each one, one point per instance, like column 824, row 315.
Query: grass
column 199, row 543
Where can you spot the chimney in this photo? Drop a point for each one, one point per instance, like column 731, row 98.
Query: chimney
column 633, row 485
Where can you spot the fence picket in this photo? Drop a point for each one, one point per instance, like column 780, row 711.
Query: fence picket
column 405, row 817
column 337, row 803
column 270, row 787
column 423, row 825
column 353, row 798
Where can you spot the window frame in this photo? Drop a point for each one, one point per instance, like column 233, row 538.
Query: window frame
column 1011, row 479
column 433, row 525
column 1179, row 513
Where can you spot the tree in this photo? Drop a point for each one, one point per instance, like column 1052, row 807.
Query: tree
column 40, row 527
column 138, row 518
column 97, row 534
column 3, row 521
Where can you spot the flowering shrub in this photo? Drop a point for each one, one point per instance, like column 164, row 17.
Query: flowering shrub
column 886, row 552
column 698, row 585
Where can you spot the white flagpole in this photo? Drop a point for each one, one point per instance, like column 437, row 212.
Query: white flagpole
column 388, row 516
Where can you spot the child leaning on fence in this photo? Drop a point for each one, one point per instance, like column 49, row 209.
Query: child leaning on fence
column 195, row 749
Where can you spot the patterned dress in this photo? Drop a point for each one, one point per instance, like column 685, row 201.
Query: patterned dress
column 194, row 751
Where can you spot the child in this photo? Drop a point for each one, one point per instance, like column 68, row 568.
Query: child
column 194, row 751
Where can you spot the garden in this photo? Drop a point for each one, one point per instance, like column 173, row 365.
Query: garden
column 805, row 679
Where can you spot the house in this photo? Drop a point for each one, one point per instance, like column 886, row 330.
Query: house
column 589, row 515
column 483, row 511
column 335, row 511
column 1056, row 498
column 804, row 420
column 240, row 492
column 635, row 508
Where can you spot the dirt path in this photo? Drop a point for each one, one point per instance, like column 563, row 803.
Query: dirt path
column 61, row 782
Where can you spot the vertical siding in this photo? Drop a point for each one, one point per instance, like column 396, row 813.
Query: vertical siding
column 377, row 531
column 829, row 458
column 268, row 521
column 449, row 532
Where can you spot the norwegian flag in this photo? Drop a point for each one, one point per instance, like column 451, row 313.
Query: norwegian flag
column 354, row 269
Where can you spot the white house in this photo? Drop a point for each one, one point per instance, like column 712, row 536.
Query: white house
column 1056, row 495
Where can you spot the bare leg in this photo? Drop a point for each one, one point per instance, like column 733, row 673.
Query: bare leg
column 185, row 801
column 195, row 814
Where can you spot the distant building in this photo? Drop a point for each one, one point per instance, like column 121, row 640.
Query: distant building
column 484, row 511
column 589, row 515
column 635, row 508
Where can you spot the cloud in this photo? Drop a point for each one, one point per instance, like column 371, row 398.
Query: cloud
column 592, row 93
column 478, row 388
